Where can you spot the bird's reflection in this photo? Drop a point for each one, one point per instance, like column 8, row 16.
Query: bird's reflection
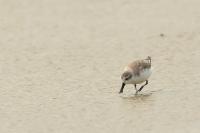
column 139, row 97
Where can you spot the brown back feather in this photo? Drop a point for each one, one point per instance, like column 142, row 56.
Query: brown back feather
column 139, row 65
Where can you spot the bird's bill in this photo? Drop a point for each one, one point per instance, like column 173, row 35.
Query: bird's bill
column 122, row 88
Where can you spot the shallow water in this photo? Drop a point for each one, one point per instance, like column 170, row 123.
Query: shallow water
column 60, row 66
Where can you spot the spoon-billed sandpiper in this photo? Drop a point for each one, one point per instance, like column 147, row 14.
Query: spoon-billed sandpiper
column 136, row 72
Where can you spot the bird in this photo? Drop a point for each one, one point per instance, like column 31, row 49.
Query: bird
column 135, row 73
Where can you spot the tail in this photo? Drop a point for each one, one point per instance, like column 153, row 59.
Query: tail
column 149, row 59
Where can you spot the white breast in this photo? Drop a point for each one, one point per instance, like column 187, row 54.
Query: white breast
column 144, row 75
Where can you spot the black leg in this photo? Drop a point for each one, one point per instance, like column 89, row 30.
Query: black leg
column 122, row 88
column 135, row 87
column 143, row 85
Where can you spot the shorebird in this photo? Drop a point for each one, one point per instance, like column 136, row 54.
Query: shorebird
column 136, row 72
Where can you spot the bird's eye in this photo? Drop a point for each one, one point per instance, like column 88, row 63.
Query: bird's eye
column 128, row 77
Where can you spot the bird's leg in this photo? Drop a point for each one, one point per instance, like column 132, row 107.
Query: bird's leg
column 143, row 86
column 135, row 87
column 136, row 91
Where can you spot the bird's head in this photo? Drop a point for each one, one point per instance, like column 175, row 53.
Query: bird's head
column 126, row 76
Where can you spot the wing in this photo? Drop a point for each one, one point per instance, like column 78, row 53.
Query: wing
column 139, row 65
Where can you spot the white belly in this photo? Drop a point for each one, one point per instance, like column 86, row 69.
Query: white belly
column 144, row 75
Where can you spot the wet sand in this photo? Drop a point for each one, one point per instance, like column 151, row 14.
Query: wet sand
column 60, row 66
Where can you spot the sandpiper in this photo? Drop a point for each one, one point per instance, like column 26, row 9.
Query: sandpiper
column 136, row 72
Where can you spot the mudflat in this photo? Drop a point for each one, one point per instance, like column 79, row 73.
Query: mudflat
column 61, row 61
